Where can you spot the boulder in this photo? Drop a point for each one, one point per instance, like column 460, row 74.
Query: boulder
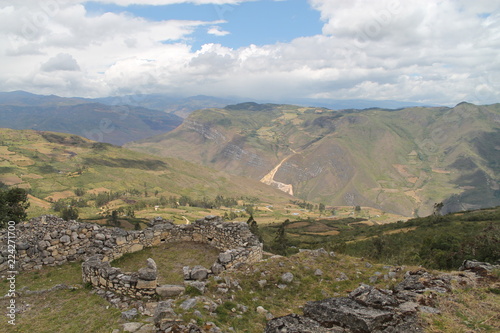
column 100, row 237
column 164, row 311
column 65, row 239
column 144, row 284
column 147, row 274
column 22, row 246
column 295, row 323
column 132, row 327
column 225, row 258
column 217, row 268
column 200, row 285
column 188, row 304
column 347, row 313
column 199, row 273
column 130, row 314
column 151, row 264
column 287, row 277
column 480, row 268
column 186, row 272
column 169, row 290
column 373, row 297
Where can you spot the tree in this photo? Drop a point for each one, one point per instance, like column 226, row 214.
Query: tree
column 13, row 205
column 249, row 209
column 321, row 208
column 281, row 240
column 130, row 211
column 79, row 192
column 69, row 213
column 437, row 208
column 254, row 227
column 114, row 218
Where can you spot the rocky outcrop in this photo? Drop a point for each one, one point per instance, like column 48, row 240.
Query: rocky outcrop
column 369, row 309
column 480, row 268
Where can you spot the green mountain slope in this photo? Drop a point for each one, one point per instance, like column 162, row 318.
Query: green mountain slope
column 112, row 124
column 402, row 161
column 54, row 165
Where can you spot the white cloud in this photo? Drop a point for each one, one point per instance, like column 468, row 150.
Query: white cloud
column 416, row 50
column 217, row 31
column 61, row 62
column 171, row 2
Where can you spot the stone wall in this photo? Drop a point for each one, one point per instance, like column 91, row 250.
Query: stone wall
column 100, row 274
column 50, row 241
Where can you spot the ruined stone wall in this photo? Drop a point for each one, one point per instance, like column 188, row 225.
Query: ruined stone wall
column 100, row 274
column 49, row 240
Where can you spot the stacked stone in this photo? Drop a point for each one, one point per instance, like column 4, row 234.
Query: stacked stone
column 49, row 240
column 139, row 285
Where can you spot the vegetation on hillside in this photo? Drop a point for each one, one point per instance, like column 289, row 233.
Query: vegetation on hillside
column 441, row 242
column 401, row 161
column 62, row 170
column 13, row 205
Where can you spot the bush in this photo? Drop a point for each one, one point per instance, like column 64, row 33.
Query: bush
column 69, row 213
column 13, row 205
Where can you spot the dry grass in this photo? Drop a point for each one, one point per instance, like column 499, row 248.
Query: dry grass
column 473, row 310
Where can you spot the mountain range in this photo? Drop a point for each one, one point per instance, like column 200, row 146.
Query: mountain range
column 402, row 161
column 120, row 119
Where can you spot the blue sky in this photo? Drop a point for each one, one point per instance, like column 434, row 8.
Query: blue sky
column 427, row 51
column 256, row 22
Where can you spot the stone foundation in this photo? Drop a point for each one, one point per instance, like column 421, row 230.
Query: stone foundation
column 51, row 241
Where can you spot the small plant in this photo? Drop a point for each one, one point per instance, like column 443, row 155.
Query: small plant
column 192, row 291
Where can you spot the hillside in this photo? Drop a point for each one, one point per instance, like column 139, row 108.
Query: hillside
column 402, row 161
column 57, row 166
column 105, row 123
column 353, row 294
column 438, row 242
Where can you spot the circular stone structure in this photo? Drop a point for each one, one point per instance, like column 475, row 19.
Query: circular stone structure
column 50, row 241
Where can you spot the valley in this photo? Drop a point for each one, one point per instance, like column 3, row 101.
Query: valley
column 400, row 161
column 319, row 188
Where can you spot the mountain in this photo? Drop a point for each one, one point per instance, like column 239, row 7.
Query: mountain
column 55, row 165
column 23, row 98
column 402, row 161
column 338, row 104
column 97, row 121
column 180, row 106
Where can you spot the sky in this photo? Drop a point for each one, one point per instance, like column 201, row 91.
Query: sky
column 428, row 51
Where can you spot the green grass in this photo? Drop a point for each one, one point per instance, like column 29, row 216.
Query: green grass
column 439, row 242
column 75, row 310
column 63, row 311
column 47, row 277
column 170, row 258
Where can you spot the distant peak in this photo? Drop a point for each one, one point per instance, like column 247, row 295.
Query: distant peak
column 251, row 106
